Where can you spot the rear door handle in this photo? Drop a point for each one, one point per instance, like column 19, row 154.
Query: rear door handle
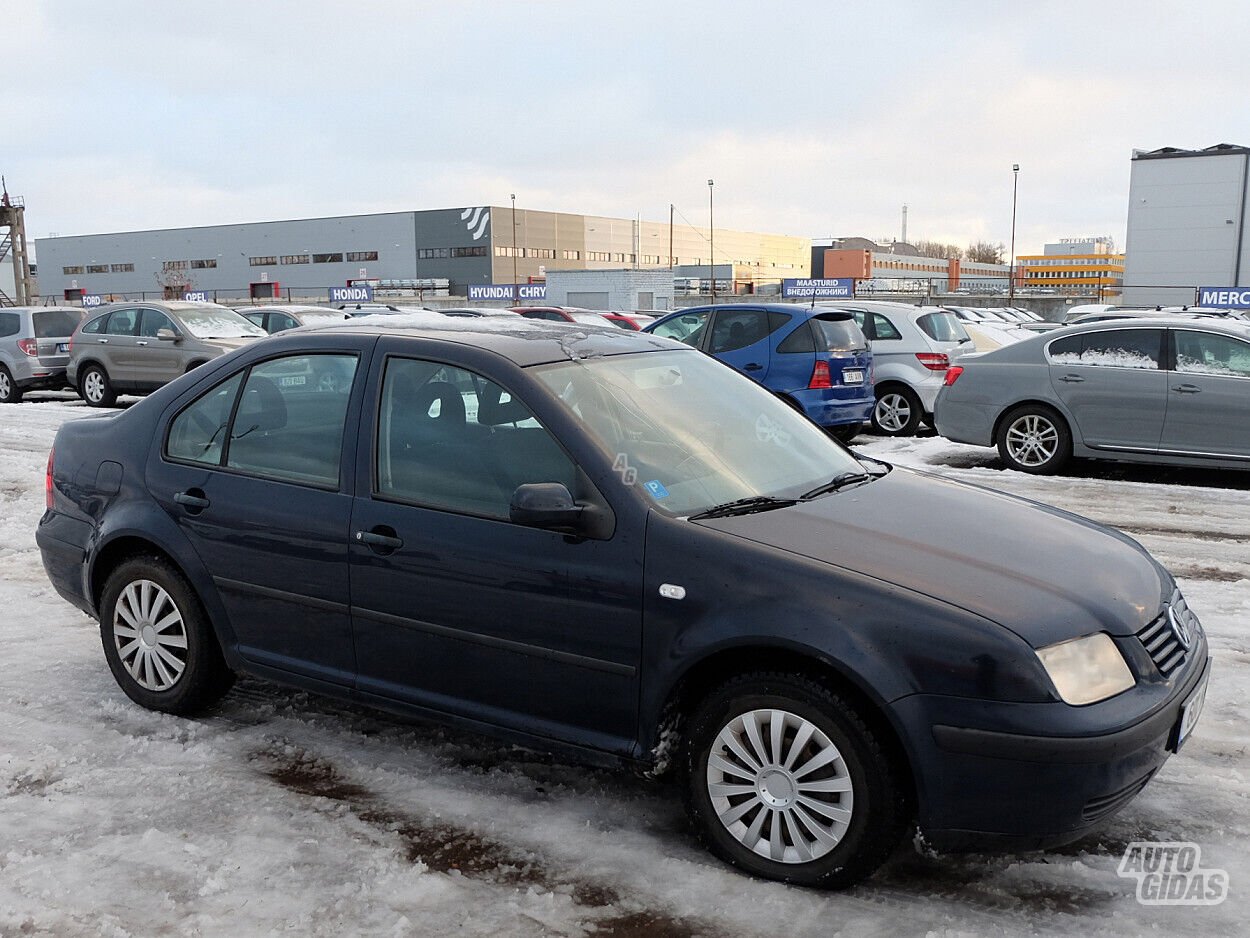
column 1072, row 379
column 752, row 367
column 103, row 341
column 140, row 342
column 376, row 538
column 1187, row 389
column 196, row 502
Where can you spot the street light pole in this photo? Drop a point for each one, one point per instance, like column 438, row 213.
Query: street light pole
column 711, row 241
column 1011, row 261
column 515, row 296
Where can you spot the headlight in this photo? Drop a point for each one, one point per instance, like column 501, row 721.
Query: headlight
column 1086, row 670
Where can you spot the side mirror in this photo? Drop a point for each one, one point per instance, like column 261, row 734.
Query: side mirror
column 168, row 335
column 547, row 505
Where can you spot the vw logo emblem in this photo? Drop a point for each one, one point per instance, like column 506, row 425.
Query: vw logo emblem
column 1180, row 628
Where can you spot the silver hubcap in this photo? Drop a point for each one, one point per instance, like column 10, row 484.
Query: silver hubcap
column 93, row 386
column 5, row 387
column 1032, row 440
column 150, row 635
column 893, row 412
column 780, row 786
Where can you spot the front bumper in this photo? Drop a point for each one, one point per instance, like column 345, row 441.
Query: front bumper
column 982, row 789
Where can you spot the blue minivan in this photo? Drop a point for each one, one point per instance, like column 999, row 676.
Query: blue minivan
column 815, row 359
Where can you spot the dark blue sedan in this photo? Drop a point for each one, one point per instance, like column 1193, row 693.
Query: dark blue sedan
column 817, row 360
column 605, row 544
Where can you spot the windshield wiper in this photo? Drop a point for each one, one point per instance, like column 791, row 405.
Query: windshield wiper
column 840, row 481
column 745, row 506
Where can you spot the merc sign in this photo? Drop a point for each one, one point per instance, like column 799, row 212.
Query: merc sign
column 1226, row 297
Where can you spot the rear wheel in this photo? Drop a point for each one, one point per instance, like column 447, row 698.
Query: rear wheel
column 10, row 393
column 158, row 641
column 1034, row 439
column 898, row 411
column 95, row 388
column 784, row 780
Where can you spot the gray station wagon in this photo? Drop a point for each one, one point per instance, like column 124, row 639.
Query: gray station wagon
column 34, row 348
column 138, row 347
column 1145, row 390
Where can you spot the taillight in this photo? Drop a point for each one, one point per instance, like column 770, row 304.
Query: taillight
column 47, row 483
column 952, row 374
column 821, row 377
column 934, row 361
column 29, row 346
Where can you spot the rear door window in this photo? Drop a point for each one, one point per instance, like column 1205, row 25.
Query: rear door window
column 1111, row 348
column 56, row 323
column 10, row 324
column 122, row 322
column 738, row 328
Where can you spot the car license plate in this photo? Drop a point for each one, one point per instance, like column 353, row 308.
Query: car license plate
column 1191, row 709
column 62, row 348
column 852, row 377
column 291, row 381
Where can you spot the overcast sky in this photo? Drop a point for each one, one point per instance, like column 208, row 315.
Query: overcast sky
column 815, row 119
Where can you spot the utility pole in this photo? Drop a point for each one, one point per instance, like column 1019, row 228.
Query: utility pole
column 1011, row 261
column 711, row 241
column 516, row 297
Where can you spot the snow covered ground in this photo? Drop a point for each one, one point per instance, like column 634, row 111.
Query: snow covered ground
column 285, row 813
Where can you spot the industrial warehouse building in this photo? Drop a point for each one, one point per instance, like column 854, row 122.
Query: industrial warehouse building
column 898, row 265
column 457, row 247
column 1074, row 267
column 1187, row 216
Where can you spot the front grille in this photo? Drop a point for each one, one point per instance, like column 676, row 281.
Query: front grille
column 1103, row 805
column 1159, row 637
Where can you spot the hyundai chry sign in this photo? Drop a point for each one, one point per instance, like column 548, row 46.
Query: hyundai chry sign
column 362, row 293
column 196, row 296
column 818, row 288
column 1224, row 297
column 508, row 291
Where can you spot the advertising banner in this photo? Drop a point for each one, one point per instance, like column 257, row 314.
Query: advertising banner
column 508, row 291
column 842, row 288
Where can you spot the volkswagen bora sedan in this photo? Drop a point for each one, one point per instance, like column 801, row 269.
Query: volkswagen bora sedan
column 608, row 545
column 1148, row 390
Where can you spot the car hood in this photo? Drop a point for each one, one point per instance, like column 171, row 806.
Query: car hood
column 233, row 342
column 1045, row 574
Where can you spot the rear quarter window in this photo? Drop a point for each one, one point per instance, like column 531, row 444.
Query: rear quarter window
column 10, row 324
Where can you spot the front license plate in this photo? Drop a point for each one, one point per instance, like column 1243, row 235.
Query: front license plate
column 62, row 348
column 852, row 377
column 291, row 381
column 1191, row 709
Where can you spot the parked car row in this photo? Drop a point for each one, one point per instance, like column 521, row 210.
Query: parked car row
column 610, row 546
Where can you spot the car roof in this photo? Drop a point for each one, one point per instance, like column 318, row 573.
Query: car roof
column 1237, row 328
column 521, row 340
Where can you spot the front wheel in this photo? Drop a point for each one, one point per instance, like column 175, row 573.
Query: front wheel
column 1034, row 439
column 784, row 780
column 95, row 387
column 158, row 641
column 898, row 411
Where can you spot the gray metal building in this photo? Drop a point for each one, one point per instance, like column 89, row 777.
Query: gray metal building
column 466, row 246
column 1187, row 216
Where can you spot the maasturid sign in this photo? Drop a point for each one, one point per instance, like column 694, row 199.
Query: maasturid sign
column 1225, row 297
column 508, row 291
column 818, row 288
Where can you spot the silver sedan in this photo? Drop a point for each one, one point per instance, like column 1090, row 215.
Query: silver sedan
column 1146, row 390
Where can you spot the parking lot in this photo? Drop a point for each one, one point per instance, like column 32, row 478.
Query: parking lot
column 287, row 812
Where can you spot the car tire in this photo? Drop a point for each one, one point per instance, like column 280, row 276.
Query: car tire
column 846, row 432
column 95, row 388
column 742, row 790
column 1034, row 439
column 158, row 641
column 10, row 393
column 898, row 411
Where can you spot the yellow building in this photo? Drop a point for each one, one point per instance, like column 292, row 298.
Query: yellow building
column 1076, row 266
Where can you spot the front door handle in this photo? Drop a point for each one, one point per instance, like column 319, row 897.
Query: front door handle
column 382, row 538
column 192, row 501
column 752, row 367
column 103, row 341
column 141, row 342
column 1187, row 389
column 1072, row 379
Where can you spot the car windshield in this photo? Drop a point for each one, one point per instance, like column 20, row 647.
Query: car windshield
column 693, row 433
column 217, row 323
